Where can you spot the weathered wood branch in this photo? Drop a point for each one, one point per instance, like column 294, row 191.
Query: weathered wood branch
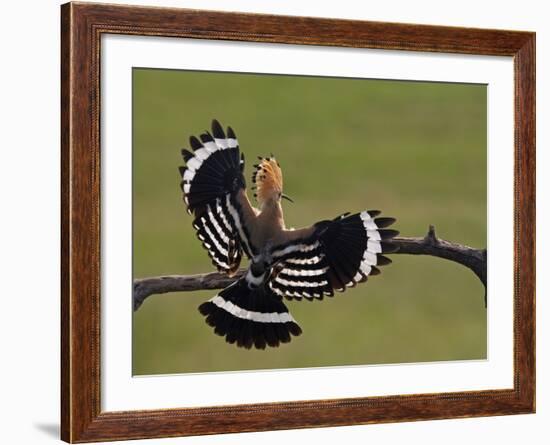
column 473, row 259
column 143, row 287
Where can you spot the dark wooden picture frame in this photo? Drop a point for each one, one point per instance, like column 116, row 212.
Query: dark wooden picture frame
column 82, row 26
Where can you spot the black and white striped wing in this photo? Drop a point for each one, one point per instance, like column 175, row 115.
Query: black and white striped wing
column 339, row 254
column 216, row 230
column 212, row 180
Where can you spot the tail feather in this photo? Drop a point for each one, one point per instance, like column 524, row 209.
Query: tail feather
column 250, row 317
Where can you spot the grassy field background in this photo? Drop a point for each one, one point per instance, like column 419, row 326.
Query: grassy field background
column 416, row 151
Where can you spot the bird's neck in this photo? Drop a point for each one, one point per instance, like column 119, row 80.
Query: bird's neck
column 272, row 214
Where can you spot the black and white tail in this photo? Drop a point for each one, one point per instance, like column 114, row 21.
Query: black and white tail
column 250, row 317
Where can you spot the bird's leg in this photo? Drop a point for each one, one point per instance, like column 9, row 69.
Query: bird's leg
column 275, row 270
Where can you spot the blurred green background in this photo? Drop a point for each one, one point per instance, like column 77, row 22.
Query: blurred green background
column 415, row 150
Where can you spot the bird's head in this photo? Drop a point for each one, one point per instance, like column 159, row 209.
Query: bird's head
column 268, row 181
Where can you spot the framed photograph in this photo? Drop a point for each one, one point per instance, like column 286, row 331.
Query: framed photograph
column 274, row 222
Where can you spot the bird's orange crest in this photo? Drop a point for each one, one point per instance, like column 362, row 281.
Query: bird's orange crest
column 267, row 179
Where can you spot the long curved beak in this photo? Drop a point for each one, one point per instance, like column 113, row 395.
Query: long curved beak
column 288, row 198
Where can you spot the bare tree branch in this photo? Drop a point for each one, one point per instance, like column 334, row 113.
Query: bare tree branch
column 473, row 259
column 143, row 287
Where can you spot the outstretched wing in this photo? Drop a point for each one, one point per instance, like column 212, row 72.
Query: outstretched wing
column 213, row 188
column 332, row 255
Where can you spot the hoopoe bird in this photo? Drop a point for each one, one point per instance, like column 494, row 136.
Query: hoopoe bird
column 290, row 264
